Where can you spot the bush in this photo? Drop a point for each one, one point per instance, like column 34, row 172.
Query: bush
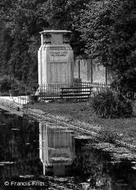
column 10, row 85
column 109, row 104
column 5, row 85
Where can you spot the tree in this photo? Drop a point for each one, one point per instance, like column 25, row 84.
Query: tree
column 109, row 30
column 65, row 14
column 22, row 20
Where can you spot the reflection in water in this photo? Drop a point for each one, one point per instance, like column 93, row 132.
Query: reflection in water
column 28, row 149
column 19, row 146
column 56, row 148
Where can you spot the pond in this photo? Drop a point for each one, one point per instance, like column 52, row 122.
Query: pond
column 42, row 156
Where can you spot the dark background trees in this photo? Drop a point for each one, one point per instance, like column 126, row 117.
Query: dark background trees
column 20, row 24
column 109, row 30
column 105, row 29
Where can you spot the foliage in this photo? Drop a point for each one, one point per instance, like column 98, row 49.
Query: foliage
column 10, row 85
column 126, row 83
column 5, row 85
column 104, row 29
column 109, row 30
column 109, row 104
column 21, row 21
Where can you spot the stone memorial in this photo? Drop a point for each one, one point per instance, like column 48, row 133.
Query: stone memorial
column 55, row 60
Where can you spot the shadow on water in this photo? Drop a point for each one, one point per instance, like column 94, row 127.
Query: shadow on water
column 55, row 158
column 19, row 145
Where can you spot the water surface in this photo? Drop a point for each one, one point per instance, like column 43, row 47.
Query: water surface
column 51, row 154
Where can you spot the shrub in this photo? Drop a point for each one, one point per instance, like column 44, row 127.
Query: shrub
column 8, row 84
column 110, row 104
column 5, row 85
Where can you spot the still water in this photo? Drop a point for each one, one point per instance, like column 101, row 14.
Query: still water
column 41, row 156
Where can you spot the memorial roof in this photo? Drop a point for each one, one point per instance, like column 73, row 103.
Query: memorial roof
column 55, row 31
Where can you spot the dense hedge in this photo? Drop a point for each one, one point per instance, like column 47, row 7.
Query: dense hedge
column 110, row 104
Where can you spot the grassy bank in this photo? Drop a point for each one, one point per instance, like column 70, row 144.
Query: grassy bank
column 125, row 127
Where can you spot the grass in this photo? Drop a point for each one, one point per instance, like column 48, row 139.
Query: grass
column 125, row 127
